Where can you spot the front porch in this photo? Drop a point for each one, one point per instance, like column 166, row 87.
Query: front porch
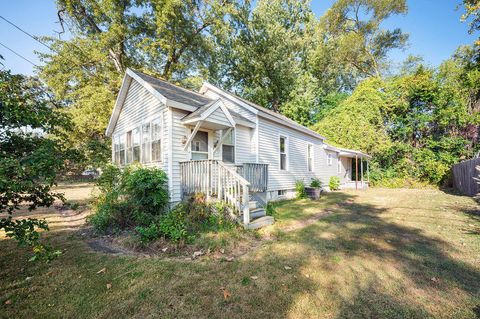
column 234, row 185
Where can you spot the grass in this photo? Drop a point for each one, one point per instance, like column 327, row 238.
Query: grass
column 380, row 253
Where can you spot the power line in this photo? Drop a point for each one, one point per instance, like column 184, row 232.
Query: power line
column 18, row 54
column 29, row 34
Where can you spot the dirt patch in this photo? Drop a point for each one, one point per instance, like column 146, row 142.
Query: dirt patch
column 306, row 222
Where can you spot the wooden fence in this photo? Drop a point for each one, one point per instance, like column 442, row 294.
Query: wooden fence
column 464, row 175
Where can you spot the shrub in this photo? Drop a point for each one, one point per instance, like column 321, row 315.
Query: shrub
column 300, row 189
column 188, row 219
column 334, row 183
column 128, row 198
column 315, row 183
column 271, row 209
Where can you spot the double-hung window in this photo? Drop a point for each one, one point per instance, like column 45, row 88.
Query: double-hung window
column 133, row 145
column 156, row 147
column 310, row 157
column 329, row 159
column 146, row 143
column 283, row 153
column 339, row 165
column 199, row 146
column 228, row 146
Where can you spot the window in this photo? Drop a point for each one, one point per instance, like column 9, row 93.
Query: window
column 283, row 153
column 282, row 192
column 228, row 147
column 121, row 140
column 133, row 145
column 156, row 146
column 339, row 165
column 146, row 143
column 329, row 159
column 199, row 146
column 310, row 157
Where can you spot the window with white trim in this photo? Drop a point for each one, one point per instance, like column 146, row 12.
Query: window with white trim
column 329, row 159
column 156, row 143
column 199, row 146
column 310, row 157
column 228, row 146
column 133, row 145
column 339, row 165
column 146, row 154
column 283, row 153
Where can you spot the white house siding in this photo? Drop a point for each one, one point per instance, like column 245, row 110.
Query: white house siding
column 244, row 150
column 297, row 167
column 219, row 117
column 231, row 105
column 346, row 167
column 139, row 106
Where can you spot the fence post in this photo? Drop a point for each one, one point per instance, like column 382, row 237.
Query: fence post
column 246, row 208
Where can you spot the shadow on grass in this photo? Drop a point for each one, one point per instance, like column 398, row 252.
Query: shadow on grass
column 144, row 287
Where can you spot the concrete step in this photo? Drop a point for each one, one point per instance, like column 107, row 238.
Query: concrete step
column 257, row 213
column 261, row 222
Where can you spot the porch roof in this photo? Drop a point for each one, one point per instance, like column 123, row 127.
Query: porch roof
column 209, row 114
column 344, row 152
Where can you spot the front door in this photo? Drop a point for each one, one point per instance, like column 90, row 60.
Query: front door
column 199, row 146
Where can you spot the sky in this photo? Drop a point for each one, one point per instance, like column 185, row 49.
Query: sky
column 433, row 25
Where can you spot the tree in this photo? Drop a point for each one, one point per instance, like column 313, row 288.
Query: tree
column 265, row 51
column 167, row 38
column 30, row 158
column 472, row 13
column 350, row 37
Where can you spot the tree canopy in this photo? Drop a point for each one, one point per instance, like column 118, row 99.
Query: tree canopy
column 330, row 72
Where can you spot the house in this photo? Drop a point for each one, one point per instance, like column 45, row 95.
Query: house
column 217, row 143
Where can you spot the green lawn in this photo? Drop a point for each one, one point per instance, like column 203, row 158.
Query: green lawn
column 377, row 254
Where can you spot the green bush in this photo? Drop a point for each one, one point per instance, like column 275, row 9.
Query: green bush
column 187, row 220
column 271, row 209
column 315, row 183
column 129, row 198
column 300, row 189
column 334, row 183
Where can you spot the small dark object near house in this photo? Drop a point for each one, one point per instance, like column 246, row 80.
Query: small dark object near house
column 313, row 192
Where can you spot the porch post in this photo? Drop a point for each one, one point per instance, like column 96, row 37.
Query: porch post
column 368, row 172
column 356, row 171
column 361, row 170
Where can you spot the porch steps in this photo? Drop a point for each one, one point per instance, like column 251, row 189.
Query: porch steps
column 257, row 213
column 253, row 204
column 260, row 222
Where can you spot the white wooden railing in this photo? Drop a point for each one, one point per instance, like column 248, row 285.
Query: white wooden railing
column 214, row 178
column 255, row 174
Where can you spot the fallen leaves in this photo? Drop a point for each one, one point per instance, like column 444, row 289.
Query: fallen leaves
column 101, row 271
column 254, row 277
column 226, row 294
column 109, row 286
column 287, row 267
column 8, row 302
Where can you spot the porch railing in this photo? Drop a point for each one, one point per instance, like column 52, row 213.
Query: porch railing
column 256, row 174
column 212, row 177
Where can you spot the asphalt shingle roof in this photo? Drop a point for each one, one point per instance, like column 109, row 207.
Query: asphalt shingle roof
column 174, row 92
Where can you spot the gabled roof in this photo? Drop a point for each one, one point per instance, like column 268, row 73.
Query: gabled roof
column 203, row 112
column 260, row 110
column 174, row 92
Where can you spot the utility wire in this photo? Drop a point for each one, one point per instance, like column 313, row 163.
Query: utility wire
column 29, row 34
column 18, row 54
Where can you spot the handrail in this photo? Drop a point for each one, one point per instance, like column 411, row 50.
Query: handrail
column 240, row 177
column 213, row 177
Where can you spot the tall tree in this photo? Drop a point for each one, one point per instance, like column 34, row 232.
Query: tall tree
column 29, row 157
column 265, row 51
column 168, row 38
column 472, row 13
column 350, row 37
